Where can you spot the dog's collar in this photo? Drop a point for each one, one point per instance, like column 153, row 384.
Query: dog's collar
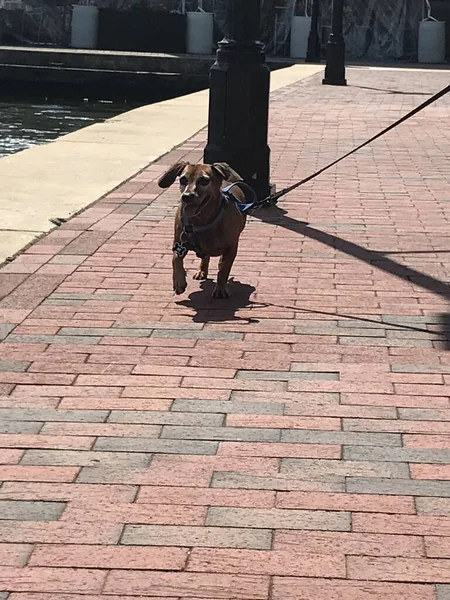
column 188, row 235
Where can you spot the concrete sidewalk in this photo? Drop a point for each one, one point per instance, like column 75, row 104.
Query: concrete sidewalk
column 292, row 443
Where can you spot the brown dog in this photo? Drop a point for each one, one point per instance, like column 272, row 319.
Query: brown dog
column 206, row 221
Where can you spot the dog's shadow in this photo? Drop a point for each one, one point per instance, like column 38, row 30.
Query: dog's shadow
column 208, row 309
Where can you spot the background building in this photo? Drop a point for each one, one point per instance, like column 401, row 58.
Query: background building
column 375, row 30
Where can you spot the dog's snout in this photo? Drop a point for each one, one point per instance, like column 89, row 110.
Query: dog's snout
column 188, row 196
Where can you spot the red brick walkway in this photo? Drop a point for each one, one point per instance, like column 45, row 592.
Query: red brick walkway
column 293, row 444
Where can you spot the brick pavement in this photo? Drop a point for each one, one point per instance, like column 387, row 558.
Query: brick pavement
column 292, row 443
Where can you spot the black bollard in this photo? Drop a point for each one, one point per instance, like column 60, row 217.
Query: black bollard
column 239, row 98
column 335, row 68
column 313, row 52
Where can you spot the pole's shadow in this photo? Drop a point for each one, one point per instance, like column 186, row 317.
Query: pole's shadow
column 275, row 215
column 379, row 260
column 365, row 87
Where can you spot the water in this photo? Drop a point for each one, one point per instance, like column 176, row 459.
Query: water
column 24, row 124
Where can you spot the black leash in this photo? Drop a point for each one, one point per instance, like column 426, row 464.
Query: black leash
column 273, row 198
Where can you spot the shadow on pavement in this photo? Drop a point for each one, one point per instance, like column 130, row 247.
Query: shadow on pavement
column 445, row 330
column 375, row 258
column 208, row 310
column 379, row 260
column 365, row 87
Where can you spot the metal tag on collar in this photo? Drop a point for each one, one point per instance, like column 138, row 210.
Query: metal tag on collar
column 180, row 249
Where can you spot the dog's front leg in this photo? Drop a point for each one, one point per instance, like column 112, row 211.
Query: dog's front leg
column 202, row 273
column 226, row 262
column 179, row 275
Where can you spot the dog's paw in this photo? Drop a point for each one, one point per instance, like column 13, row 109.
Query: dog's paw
column 179, row 290
column 200, row 275
column 220, row 293
column 179, row 286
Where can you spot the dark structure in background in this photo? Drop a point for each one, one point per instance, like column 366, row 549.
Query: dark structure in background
column 335, row 69
column 440, row 9
column 313, row 52
column 141, row 30
column 376, row 30
column 239, row 98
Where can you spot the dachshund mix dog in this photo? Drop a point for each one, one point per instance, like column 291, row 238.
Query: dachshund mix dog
column 207, row 221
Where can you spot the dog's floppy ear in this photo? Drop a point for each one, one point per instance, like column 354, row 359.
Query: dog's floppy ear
column 226, row 172
column 171, row 174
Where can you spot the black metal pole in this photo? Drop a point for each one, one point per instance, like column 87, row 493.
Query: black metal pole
column 335, row 68
column 239, row 98
column 313, row 52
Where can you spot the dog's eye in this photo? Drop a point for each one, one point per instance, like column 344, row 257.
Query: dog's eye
column 183, row 180
column 203, row 181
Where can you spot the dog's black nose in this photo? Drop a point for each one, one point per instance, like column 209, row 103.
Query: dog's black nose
column 188, row 196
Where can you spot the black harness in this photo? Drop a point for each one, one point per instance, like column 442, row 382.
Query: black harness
column 188, row 238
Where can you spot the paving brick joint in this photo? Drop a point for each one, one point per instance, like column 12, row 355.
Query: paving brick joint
column 292, row 443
